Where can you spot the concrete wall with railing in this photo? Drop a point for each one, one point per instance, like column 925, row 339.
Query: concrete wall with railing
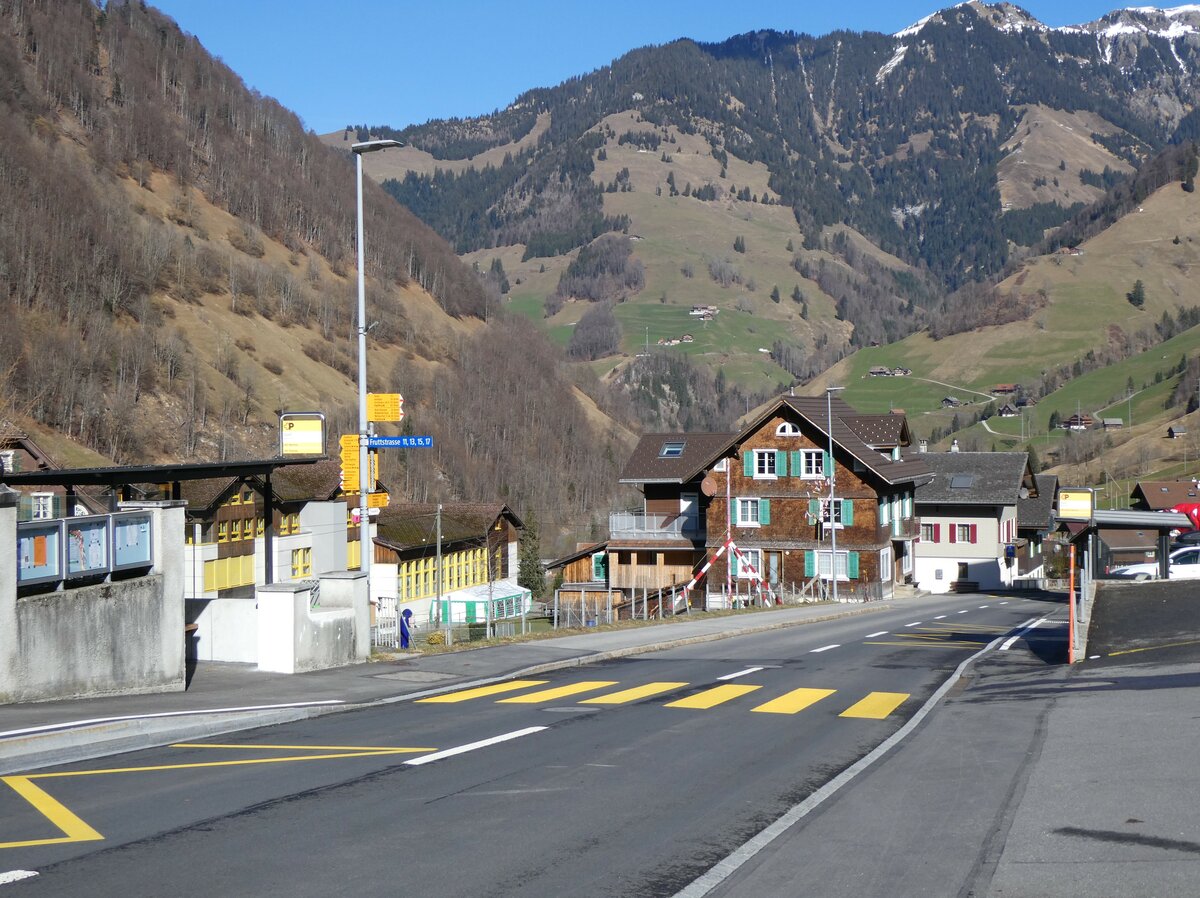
column 116, row 634
column 313, row 624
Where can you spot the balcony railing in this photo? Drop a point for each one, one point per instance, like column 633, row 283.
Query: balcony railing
column 632, row 525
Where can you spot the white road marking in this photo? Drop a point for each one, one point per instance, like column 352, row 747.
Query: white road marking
column 740, row 673
column 826, row 648
column 940, row 617
column 964, row 611
column 915, row 623
column 1027, row 627
column 981, row 607
column 471, row 746
column 727, row 867
column 1004, row 603
column 97, row 720
column 873, row 635
column 16, row 876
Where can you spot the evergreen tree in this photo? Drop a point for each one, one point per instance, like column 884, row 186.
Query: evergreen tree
column 1137, row 296
column 739, row 244
column 775, row 293
column 1035, row 464
column 532, row 575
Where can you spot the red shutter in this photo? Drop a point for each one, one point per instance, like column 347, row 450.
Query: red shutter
column 974, row 531
column 953, row 533
column 937, row 533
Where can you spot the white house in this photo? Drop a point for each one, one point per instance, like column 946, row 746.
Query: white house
column 968, row 515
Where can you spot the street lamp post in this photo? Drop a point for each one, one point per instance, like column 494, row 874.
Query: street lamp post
column 364, row 467
column 829, row 391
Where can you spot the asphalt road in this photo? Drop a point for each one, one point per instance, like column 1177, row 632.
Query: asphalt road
column 632, row 777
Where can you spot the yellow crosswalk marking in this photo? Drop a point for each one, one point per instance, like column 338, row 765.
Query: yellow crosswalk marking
column 710, row 698
column 479, row 692
column 876, row 706
column 632, row 695
column 794, row 701
column 549, row 695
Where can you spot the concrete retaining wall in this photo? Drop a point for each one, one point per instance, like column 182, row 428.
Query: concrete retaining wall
column 295, row 634
column 110, row 638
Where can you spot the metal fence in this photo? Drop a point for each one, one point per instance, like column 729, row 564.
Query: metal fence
column 385, row 629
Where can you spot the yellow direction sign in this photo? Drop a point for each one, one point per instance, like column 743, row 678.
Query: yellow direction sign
column 385, row 407
column 377, row 500
column 350, row 468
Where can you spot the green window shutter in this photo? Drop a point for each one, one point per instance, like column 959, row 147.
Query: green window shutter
column 852, row 565
column 826, row 464
column 797, row 463
column 848, row 512
column 734, row 564
column 781, row 468
column 810, row 563
column 599, row 563
column 764, row 511
column 748, row 463
column 814, row 508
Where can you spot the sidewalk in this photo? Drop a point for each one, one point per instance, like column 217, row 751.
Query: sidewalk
column 1073, row 782
column 224, row 698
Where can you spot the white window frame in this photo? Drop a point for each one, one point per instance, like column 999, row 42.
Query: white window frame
column 787, row 429
column 885, row 512
column 42, row 506
column 932, row 531
column 743, row 505
column 906, row 562
column 837, row 513
column 962, row 533
column 812, row 464
column 672, row 449
column 722, row 466
column 885, row 565
column 843, row 564
column 8, row 461
column 751, row 557
column 764, row 464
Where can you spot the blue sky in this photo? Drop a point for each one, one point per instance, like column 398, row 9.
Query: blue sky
column 396, row 62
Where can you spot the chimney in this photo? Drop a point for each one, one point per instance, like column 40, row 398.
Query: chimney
column 923, row 446
column 954, row 446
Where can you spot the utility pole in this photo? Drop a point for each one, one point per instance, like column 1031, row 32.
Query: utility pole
column 437, row 571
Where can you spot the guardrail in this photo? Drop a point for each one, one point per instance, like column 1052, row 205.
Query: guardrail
column 631, row 525
column 61, row 550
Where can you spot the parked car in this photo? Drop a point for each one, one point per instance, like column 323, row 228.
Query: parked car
column 1184, row 565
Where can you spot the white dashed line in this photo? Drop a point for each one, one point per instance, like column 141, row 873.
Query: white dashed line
column 1007, row 644
column 981, row 607
column 939, row 617
column 826, row 648
column 16, row 876
column 1004, row 603
column 964, row 611
column 915, row 623
column 873, row 635
column 471, row 746
column 740, row 673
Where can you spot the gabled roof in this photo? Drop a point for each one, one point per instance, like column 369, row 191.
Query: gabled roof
column 647, row 464
column 414, row 525
column 974, row 478
column 1156, row 495
column 1037, row 509
column 701, row 450
column 202, row 495
column 815, row 410
column 582, row 552
column 300, row 483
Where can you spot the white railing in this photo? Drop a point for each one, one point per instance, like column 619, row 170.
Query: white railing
column 632, row 525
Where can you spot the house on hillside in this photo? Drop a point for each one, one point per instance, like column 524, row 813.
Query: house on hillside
column 1078, row 422
column 1112, row 423
column 951, row 402
column 478, row 551
column 1007, row 411
column 19, row 454
column 969, row 520
column 765, row 490
column 1175, row 431
column 879, row 371
column 1004, row 389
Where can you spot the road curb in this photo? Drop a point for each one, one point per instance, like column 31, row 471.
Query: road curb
column 137, row 734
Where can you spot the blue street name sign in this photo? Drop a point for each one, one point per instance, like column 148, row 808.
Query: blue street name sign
column 398, row 442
